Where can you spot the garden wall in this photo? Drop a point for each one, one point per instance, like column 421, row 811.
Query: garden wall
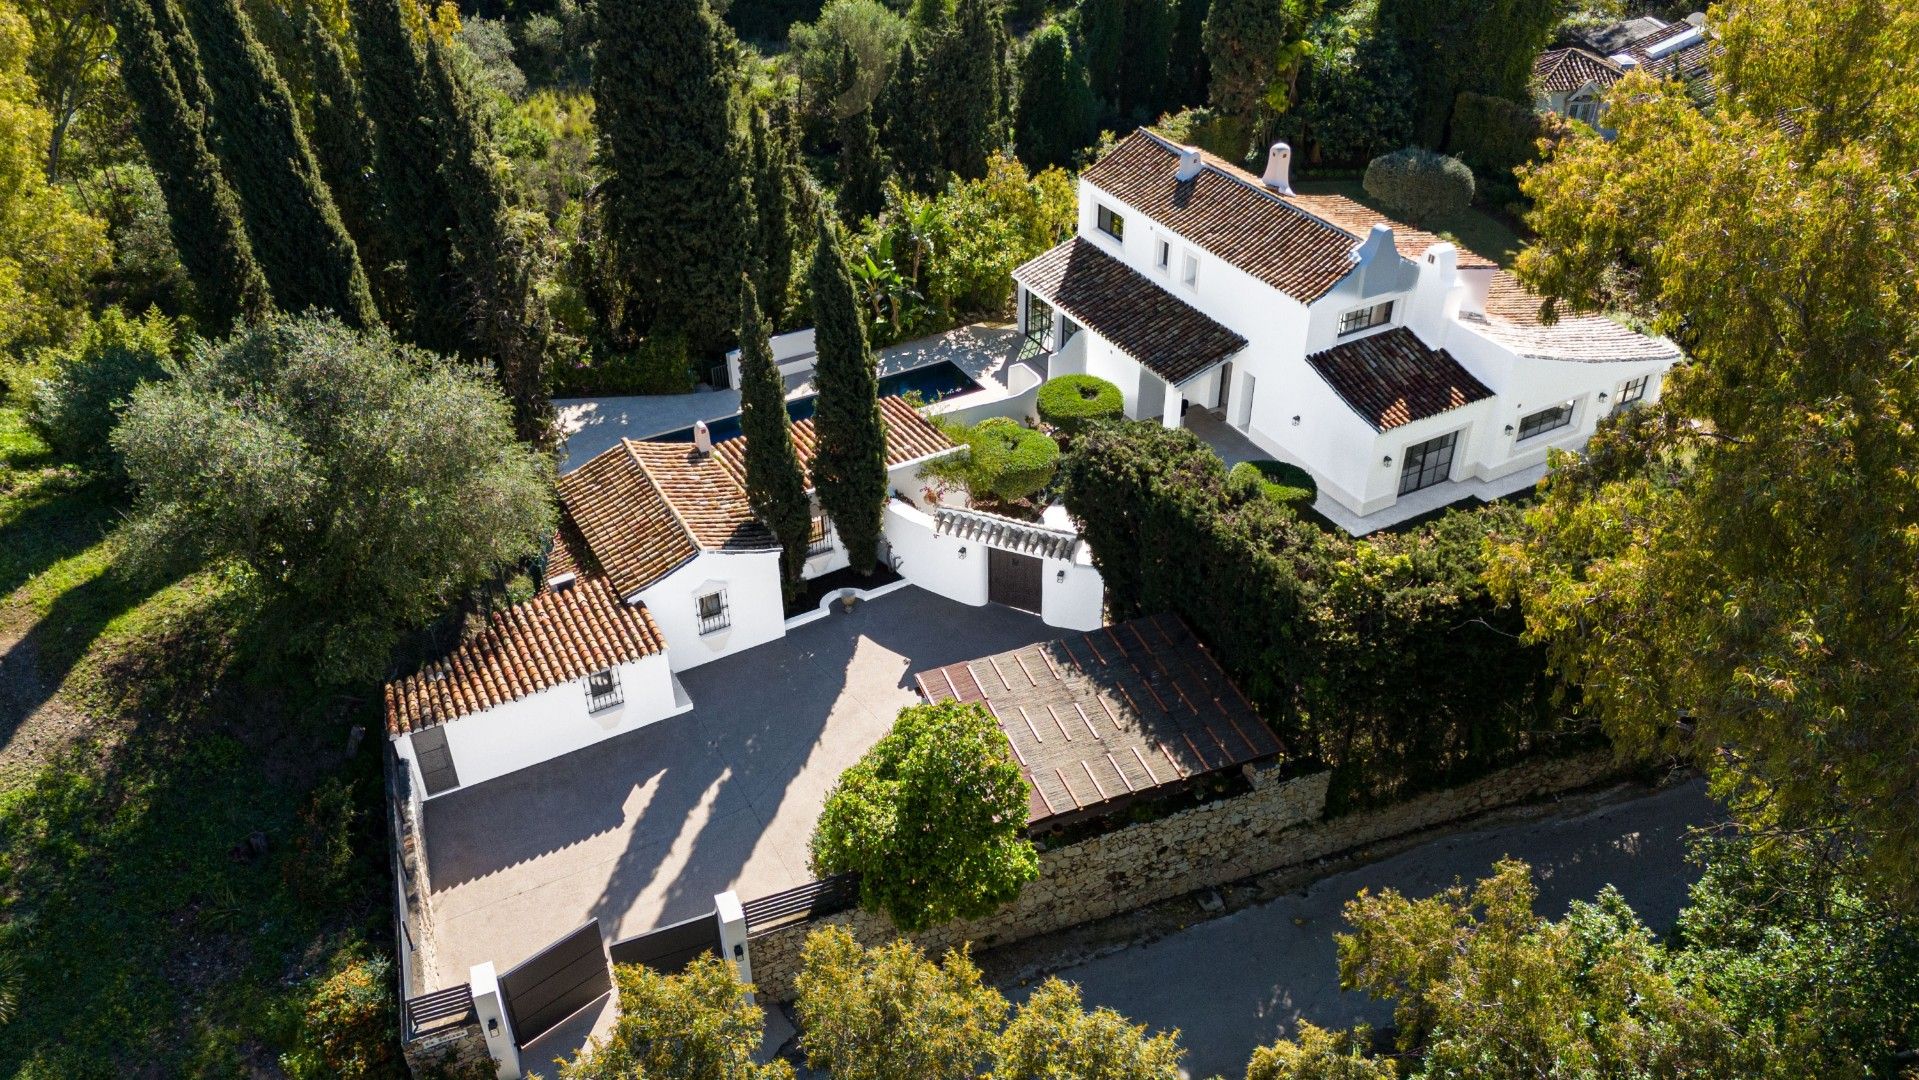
column 1275, row 825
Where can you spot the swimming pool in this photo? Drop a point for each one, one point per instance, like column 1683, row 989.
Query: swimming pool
column 934, row 382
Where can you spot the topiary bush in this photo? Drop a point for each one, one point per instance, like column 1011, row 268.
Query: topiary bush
column 1071, row 402
column 1420, row 184
column 1014, row 461
column 1275, row 480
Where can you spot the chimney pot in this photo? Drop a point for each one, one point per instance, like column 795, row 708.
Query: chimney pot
column 1189, row 164
column 702, row 438
column 1279, row 168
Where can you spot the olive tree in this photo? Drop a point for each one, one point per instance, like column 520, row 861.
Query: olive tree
column 361, row 485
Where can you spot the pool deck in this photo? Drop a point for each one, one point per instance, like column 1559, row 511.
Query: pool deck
column 592, row 425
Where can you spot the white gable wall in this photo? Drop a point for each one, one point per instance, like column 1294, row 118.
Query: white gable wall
column 752, row 583
column 542, row 726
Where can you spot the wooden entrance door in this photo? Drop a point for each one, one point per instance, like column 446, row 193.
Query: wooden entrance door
column 1013, row 579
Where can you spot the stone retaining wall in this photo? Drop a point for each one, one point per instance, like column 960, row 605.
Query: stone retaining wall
column 1275, row 825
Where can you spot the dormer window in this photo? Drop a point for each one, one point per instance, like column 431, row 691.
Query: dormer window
column 1111, row 224
column 1365, row 318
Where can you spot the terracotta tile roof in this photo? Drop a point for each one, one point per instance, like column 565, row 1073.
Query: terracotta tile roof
column 1170, row 337
column 556, row 637
column 704, row 495
column 1023, row 537
column 909, row 437
column 1560, row 71
column 1228, row 212
column 1393, row 378
column 1358, row 218
column 1103, row 718
column 1512, row 320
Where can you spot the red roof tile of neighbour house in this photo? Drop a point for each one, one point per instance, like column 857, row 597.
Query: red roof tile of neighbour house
column 1560, row 71
column 1228, row 212
column 1393, row 378
column 556, row 637
column 1168, row 336
column 1121, row 713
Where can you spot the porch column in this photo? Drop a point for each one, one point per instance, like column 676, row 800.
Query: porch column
column 1175, row 401
column 489, row 1007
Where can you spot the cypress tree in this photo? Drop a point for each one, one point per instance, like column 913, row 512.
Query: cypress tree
column 202, row 213
column 966, row 84
column 309, row 260
column 504, row 318
column 1126, row 45
column 862, row 167
column 675, row 201
column 774, row 483
column 343, row 146
column 849, row 465
column 418, row 210
column 908, row 133
column 1055, row 118
column 775, row 179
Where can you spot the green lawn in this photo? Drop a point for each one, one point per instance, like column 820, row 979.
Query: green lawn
column 144, row 947
column 1472, row 228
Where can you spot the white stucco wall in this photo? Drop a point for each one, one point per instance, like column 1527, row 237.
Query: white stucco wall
column 1072, row 595
column 931, row 561
column 752, row 583
column 555, row 721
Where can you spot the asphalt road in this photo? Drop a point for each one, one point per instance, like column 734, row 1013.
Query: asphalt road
column 1242, row 980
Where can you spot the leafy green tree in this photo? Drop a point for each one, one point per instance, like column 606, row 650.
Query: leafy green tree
column 1355, row 94
column 697, row 1025
column 1055, row 117
column 1052, row 1036
column 675, row 197
column 71, row 63
column 48, row 244
column 1254, row 49
column 1487, row 46
column 361, row 485
column 873, row 32
column 1715, row 577
column 308, row 258
column 933, row 819
column 849, row 465
column 203, row 213
column 889, row 1012
column 1318, row 1054
column 75, row 409
column 775, row 484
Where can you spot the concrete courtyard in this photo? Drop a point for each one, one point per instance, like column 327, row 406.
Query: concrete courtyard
column 643, row 829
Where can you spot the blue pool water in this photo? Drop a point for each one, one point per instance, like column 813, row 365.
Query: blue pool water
column 932, row 382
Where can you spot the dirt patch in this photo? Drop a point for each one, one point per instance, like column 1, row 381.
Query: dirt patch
column 35, row 721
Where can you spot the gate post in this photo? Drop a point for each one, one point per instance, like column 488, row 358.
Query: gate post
column 495, row 1024
column 732, row 924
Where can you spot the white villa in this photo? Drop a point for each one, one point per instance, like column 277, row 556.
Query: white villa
column 1572, row 81
column 1403, row 372
column 660, row 566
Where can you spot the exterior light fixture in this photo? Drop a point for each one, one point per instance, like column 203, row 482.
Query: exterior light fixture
column 1387, row 460
column 1295, row 419
column 1509, row 429
column 962, row 551
column 1602, row 395
column 1060, row 577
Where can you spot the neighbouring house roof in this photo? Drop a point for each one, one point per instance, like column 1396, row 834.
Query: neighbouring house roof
column 1513, row 319
column 1229, row 213
column 1393, row 378
column 1168, row 336
column 642, row 509
column 1616, row 37
column 1560, row 71
column 556, row 637
column 1106, row 717
column 1004, row 533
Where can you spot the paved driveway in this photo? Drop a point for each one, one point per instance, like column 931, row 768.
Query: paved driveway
column 644, row 829
column 1243, row 980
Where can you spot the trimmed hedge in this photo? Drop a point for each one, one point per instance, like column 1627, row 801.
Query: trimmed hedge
column 1419, row 184
column 1011, row 461
column 1275, row 480
column 1071, row 402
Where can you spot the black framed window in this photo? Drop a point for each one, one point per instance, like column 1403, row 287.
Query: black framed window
column 1067, row 328
column 603, row 690
column 1546, row 420
column 713, row 612
column 1634, row 391
column 1428, row 463
column 1039, row 319
column 1365, row 318
column 1111, row 224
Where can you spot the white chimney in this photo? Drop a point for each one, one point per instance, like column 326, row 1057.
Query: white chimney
column 1279, row 168
column 702, row 438
column 561, row 582
column 1478, row 281
column 1189, row 164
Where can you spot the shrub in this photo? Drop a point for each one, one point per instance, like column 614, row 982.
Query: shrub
column 885, row 1012
column 1495, row 136
column 1071, row 402
column 347, row 1025
column 76, row 407
column 1276, row 480
column 697, row 1025
column 1420, row 184
column 1012, row 461
column 933, row 819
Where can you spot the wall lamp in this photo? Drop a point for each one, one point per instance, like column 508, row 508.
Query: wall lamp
column 1509, row 429
column 1295, row 419
column 962, row 551
column 1060, row 577
column 1387, row 460
column 1602, row 395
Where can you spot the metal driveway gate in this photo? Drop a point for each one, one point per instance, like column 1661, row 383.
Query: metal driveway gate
column 670, row 948
column 556, row 982
column 1013, row 579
